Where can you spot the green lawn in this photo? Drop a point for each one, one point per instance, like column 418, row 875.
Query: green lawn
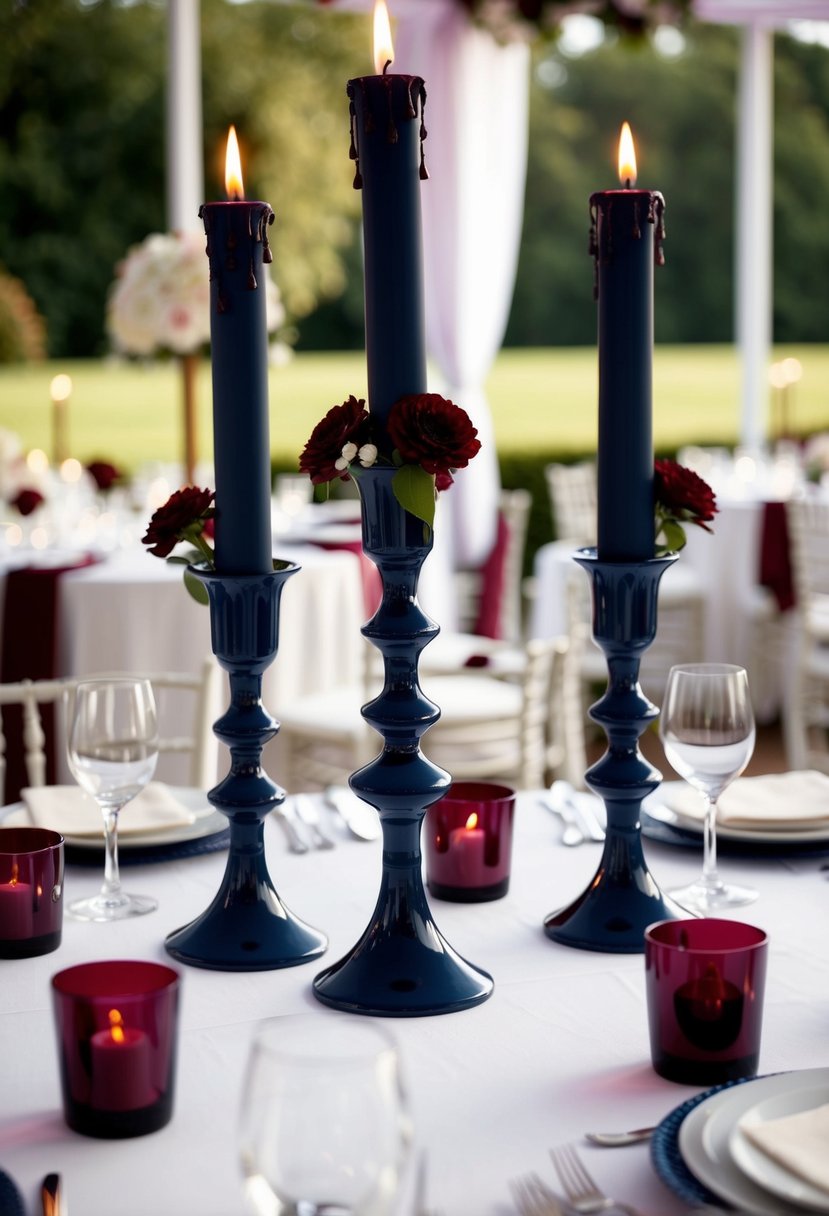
column 542, row 400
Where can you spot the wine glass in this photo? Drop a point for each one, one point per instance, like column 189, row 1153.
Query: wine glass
column 324, row 1126
column 113, row 749
column 707, row 729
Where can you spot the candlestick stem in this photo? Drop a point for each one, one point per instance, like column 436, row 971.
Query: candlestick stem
column 623, row 898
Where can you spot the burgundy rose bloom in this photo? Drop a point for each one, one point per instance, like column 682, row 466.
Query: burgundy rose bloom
column 170, row 522
column 433, row 432
column 209, row 529
column 27, row 501
column 443, row 481
column 680, row 492
column 103, row 474
column 346, row 423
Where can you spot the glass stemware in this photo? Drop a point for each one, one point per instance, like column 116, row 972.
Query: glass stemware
column 113, row 749
column 707, row 729
column 324, row 1126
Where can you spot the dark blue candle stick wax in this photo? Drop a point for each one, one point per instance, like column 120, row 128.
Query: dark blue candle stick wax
column 625, row 239
column 387, row 133
column 237, row 247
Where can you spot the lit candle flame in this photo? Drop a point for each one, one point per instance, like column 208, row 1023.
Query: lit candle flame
column 383, row 45
column 627, row 157
column 15, row 872
column 60, row 388
column 472, row 821
column 116, row 1026
column 234, row 188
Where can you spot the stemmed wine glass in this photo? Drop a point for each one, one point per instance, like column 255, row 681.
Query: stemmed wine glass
column 113, row 749
column 707, row 729
column 324, row 1127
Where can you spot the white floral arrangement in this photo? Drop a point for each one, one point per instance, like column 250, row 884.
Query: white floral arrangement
column 160, row 300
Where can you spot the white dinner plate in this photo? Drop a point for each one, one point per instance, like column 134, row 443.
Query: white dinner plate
column 207, row 823
column 705, row 1139
column 773, row 1175
column 658, row 810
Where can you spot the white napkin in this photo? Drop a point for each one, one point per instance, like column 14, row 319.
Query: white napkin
column 68, row 809
column 779, row 801
column 798, row 1142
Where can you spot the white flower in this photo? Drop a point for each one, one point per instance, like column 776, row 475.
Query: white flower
column 367, row 455
column 349, row 452
column 160, row 299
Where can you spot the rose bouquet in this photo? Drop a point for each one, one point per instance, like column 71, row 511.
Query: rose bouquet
column 427, row 439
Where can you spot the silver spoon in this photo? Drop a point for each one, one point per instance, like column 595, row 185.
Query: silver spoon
column 620, row 1139
column 572, row 833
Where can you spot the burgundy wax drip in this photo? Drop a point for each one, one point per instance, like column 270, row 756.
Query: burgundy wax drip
column 257, row 233
column 603, row 202
column 414, row 92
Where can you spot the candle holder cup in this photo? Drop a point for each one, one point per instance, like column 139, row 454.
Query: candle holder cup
column 623, row 898
column 469, row 842
column 402, row 966
column 116, row 1028
column 31, row 891
column 246, row 927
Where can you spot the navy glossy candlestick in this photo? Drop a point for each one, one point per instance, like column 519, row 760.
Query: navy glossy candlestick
column 402, row 966
column 623, row 898
column 387, row 133
column 246, row 927
column 625, row 239
column 237, row 248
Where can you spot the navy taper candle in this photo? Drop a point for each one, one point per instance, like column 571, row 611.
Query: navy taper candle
column 387, row 133
column 237, row 247
column 625, row 240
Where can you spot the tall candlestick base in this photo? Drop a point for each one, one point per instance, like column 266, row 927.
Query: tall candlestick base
column 402, row 966
column 246, row 927
column 623, row 898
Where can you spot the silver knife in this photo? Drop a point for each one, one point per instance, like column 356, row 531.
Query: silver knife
column 285, row 819
column 564, row 795
column 306, row 810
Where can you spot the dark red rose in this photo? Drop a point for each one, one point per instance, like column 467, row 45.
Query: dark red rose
column 433, row 432
column 680, row 492
column 209, row 529
column 443, row 481
column 346, row 423
column 170, row 522
column 27, row 501
column 103, row 474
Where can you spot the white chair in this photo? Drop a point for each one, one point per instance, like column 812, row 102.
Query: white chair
column 201, row 745
column 573, row 501
column 514, row 510
column 806, row 691
column 489, row 727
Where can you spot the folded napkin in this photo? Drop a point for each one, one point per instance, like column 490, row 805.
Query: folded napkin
column 780, row 801
column 70, row 810
column 797, row 1142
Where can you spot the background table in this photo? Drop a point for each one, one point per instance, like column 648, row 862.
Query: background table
column 560, row 1048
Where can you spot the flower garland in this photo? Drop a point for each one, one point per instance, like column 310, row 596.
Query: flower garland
column 680, row 497
column 427, row 439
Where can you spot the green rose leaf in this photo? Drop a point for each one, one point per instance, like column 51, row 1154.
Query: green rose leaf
column 674, row 534
column 196, row 588
column 414, row 489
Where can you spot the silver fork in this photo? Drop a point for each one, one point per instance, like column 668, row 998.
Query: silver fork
column 534, row 1198
column 582, row 1192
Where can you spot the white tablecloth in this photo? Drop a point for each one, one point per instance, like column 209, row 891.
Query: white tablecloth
column 561, row 1047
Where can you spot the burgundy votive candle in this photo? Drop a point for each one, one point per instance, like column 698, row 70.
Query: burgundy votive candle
column 31, row 891
column 116, row 1026
column 468, row 842
column 705, row 980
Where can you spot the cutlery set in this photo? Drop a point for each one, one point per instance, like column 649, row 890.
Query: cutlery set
column 306, row 828
column 533, row 1197
column 575, row 810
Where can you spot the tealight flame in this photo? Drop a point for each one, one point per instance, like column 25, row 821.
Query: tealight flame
column 383, row 45
column 13, row 881
column 116, row 1026
column 627, row 157
column 234, row 188
column 472, row 821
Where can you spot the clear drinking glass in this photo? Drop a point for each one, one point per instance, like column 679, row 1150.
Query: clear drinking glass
column 707, row 729
column 324, row 1126
column 113, row 750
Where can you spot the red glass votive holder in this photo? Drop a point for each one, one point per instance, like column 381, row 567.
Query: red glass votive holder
column 117, row 1030
column 468, row 842
column 31, row 891
column 705, row 981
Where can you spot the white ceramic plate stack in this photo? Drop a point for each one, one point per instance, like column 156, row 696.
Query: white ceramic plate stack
column 718, row 1153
